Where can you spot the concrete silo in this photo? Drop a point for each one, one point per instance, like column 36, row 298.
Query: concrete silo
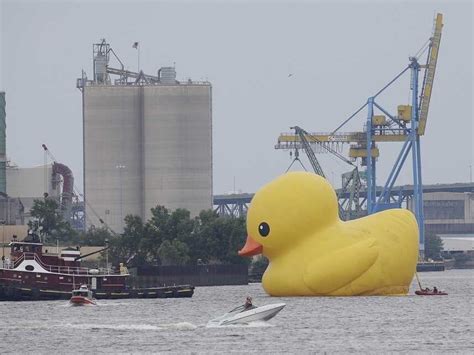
column 147, row 142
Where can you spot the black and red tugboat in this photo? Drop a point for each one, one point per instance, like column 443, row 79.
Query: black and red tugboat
column 32, row 275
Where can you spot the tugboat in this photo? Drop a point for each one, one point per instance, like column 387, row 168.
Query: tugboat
column 32, row 275
column 82, row 297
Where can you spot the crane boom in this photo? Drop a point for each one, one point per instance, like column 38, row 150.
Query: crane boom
column 307, row 137
column 353, row 183
column 290, row 141
column 309, row 151
column 429, row 74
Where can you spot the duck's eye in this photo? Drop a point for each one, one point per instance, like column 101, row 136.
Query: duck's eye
column 264, row 229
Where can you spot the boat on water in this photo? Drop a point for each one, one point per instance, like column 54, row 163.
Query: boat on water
column 241, row 315
column 31, row 274
column 82, row 297
column 427, row 291
column 430, row 293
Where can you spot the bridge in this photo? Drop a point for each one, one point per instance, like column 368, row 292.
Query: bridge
column 236, row 205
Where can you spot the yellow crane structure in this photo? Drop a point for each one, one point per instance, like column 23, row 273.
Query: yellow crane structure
column 406, row 125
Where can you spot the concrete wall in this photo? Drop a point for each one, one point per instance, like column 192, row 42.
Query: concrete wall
column 178, row 147
column 161, row 135
column 7, row 232
column 457, row 242
column 11, row 210
column 29, row 184
column 451, row 207
column 449, row 212
column 112, row 138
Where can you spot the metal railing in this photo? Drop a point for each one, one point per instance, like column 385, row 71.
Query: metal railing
column 60, row 269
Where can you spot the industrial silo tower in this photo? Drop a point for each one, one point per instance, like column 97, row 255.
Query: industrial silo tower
column 147, row 141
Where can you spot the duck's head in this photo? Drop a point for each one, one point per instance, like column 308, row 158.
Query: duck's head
column 287, row 210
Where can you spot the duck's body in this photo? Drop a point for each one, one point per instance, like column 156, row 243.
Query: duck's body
column 313, row 253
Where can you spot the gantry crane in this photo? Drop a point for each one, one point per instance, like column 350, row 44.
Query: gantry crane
column 406, row 126
column 348, row 208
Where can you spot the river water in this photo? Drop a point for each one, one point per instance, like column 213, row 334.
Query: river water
column 441, row 324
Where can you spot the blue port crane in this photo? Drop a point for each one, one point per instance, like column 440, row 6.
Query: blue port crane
column 350, row 207
column 406, row 126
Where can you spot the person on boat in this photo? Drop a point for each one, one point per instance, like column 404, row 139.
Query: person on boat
column 435, row 290
column 427, row 289
column 123, row 269
column 248, row 303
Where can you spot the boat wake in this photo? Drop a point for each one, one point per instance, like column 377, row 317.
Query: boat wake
column 69, row 304
column 255, row 324
column 246, row 316
column 184, row 326
column 102, row 304
column 113, row 304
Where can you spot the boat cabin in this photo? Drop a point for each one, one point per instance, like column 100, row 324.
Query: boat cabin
column 31, row 247
column 31, row 244
column 83, row 291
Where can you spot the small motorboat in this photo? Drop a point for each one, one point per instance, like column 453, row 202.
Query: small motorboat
column 426, row 291
column 82, row 296
column 430, row 293
column 241, row 315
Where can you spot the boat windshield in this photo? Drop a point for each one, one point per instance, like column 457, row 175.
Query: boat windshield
column 238, row 309
column 80, row 293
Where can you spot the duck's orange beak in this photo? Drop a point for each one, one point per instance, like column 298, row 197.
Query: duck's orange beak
column 251, row 247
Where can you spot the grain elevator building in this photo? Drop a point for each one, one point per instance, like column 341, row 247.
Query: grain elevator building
column 147, row 142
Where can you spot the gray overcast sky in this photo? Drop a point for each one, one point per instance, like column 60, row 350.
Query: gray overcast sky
column 338, row 52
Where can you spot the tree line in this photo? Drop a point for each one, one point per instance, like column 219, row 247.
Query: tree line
column 167, row 238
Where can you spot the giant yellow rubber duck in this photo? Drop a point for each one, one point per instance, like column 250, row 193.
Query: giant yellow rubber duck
column 294, row 222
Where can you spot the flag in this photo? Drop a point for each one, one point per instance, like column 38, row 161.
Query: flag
column 135, row 45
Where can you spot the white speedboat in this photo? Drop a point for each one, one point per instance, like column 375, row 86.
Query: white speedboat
column 240, row 315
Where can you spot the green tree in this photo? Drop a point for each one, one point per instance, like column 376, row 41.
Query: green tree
column 173, row 252
column 433, row 246
column 126, row 247
column 166, row 226
column 217, row 239
column 180, row 224
column 95, row 236
column 176, row 238
column 49, row 223
column 200, row 239
column 259, row 265
column 155, row 232
column 233, row 232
